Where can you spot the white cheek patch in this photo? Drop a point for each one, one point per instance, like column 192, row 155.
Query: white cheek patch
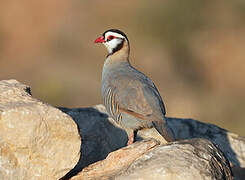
column 110, row 45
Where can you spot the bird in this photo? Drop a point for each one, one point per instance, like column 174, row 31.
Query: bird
column 130, row 97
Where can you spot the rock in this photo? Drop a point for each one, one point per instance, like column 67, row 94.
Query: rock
column 188, row 159
column 37, row 141
column 101, row 135
column 116, row 161
column 231, row 144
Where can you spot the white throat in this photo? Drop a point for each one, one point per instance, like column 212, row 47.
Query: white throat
column 113, row 44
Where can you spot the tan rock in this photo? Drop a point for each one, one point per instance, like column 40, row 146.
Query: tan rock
column 37, row 141
column 184, row 160
column 116, row 161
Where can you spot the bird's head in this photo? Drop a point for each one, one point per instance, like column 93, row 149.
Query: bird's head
column 113, row 39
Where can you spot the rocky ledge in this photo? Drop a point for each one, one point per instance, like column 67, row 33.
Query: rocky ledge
column 38, row 141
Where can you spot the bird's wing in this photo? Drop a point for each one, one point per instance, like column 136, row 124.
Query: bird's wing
column 140, row 99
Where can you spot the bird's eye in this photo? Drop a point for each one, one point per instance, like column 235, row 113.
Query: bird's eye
column 110, row 38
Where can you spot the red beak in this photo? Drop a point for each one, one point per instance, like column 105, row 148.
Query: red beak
column 99, row 40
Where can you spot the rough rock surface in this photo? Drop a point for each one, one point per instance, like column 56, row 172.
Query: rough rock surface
column 37, row 141
column 116, row 161
column 187, row 159
column 101, row 136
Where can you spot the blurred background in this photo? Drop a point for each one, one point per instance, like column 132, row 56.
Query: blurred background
column 193, row 50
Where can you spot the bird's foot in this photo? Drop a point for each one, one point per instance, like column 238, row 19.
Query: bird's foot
column 131, row 139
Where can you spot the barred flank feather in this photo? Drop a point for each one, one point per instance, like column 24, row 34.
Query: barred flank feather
column 111, row 105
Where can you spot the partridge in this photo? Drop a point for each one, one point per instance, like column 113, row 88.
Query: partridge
column 130, row 97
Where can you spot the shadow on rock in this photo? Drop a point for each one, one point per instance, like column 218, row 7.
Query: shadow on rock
column 98, row 135
column 230, row 144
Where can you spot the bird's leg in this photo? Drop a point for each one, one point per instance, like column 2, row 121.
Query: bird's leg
column 131, row 137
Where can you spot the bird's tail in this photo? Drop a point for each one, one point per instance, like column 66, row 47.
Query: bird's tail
column 165, row 131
